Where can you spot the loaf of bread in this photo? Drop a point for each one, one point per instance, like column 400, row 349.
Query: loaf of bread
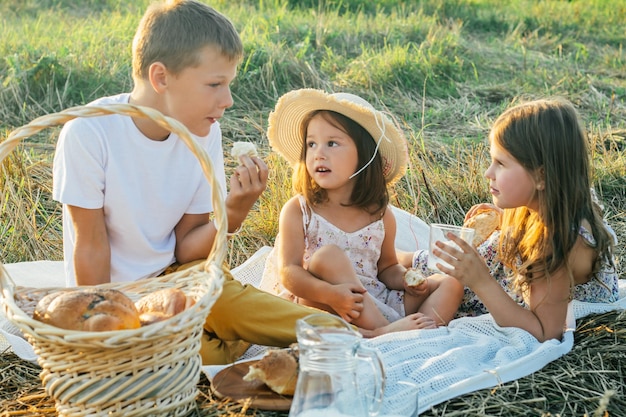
column 414, row 277
column 278, row 369
column 484, row 222
column 161, row 305
column 88, row 309
column 243, row 148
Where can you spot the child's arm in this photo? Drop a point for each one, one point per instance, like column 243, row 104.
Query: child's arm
column 390, row 271
column 344, row 299
column 547, row 299
column 547, row 302
column 195, row 233
column 92, row 253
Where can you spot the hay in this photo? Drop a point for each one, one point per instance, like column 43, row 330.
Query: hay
column 588, row 381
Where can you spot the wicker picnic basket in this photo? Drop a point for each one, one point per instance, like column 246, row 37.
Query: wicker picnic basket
column 153, row 370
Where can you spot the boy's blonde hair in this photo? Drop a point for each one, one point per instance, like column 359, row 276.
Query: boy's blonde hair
column 175, row 31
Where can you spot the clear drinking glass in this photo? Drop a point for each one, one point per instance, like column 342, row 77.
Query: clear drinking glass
column 439, row 232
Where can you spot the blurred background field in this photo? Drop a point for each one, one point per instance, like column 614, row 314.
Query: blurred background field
column 444, row 68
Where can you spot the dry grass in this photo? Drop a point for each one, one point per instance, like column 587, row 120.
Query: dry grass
column 588, row 381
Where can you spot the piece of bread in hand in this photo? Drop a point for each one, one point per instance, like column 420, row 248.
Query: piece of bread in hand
column 243, row 148
column 484, row 221
column 161, row 305
column 278, row 369
column 89, row 309
column 414, row 277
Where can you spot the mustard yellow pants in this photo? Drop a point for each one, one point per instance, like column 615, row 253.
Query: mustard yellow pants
column 243, row 315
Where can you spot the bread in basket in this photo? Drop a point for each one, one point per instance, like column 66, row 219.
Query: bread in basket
column 152, row 370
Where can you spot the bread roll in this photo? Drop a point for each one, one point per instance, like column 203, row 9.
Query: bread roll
column 161, row 305
column 414, row 277
column 278, row 369
column 89, row 309
column 243, row 148
column 152, row 317
column 484, row 222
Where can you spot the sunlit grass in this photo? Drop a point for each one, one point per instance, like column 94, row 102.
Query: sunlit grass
column 444, row 69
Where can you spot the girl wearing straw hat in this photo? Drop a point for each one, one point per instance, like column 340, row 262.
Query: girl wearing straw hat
column 335, row 246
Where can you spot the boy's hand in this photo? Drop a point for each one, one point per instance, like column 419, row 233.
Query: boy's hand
column 246, row 185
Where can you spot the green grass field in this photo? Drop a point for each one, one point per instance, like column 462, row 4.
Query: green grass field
column 445, row 68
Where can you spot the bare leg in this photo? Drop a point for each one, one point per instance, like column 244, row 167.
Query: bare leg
column 332, row 265
column 442, row 303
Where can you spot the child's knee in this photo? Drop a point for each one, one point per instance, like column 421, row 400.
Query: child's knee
column 328, row 258
column 446, row 284
column 405, row 258
column 453, row 287
column 327, row 252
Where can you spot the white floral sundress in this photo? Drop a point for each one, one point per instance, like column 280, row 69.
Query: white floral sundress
column 362, row 247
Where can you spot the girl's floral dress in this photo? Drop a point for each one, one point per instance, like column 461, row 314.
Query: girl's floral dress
column 362, row 247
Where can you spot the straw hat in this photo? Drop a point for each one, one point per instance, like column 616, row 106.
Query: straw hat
column 285, row 126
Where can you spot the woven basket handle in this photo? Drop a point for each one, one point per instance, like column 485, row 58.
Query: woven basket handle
column 218, row 251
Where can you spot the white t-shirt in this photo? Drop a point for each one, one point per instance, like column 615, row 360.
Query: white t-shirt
column 144, row 186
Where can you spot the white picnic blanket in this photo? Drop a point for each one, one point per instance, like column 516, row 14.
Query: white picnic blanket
column 468, row 355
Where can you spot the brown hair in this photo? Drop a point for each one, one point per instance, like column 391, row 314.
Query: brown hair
column 370, row 190
column 546, row 137
column 173, row 32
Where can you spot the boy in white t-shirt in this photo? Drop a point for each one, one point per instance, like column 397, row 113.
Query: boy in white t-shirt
column 135, row 199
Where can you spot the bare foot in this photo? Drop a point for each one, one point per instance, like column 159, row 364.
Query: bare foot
column 411, row 322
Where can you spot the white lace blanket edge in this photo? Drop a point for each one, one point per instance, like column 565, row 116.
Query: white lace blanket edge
column 468, row 355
